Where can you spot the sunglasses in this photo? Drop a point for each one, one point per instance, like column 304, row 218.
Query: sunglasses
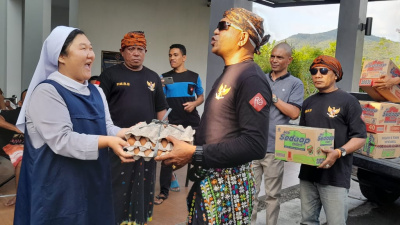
column 323, row 71
column 224, row 25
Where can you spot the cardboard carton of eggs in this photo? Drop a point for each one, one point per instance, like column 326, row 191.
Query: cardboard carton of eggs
column 149, row 140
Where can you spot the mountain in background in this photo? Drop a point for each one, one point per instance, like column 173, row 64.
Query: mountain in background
column 374, row 47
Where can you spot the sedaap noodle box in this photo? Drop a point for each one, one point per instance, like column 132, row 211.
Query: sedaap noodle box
column 381, row 117
column 303, row 144
column 374, row 70
column 383, row 145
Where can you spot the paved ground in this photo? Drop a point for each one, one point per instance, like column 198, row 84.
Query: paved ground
column 361, row 211
column 290, row 206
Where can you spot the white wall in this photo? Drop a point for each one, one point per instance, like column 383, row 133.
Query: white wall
column 164, row 23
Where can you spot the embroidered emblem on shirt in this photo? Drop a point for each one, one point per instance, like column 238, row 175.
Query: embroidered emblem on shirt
column 332, row 112
column 307, row 110
column 190, row 89
column 151, row 85
column 223, row 90
column 258, row 102
column 123, row 84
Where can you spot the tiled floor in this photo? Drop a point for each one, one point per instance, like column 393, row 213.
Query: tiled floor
column 172, row 211
column 6, row 212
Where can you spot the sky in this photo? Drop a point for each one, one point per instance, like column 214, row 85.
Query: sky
column 283, row 22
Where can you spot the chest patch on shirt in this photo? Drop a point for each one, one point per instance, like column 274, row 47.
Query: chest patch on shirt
column 122, row 84
column 191, row 89
column 258, row 102
column 222, row 90
column 151, row 85
column 332, row 112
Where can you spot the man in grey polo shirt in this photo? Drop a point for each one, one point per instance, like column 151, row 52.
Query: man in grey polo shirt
column 287, row 96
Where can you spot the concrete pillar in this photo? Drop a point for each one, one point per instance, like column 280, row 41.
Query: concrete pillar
column 10, row 46
column 215, row 64
column 350, row 42
column 3, row 44
column 36, row 29
column 73, row 13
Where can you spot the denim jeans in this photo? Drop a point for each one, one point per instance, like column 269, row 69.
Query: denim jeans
column 334, row 200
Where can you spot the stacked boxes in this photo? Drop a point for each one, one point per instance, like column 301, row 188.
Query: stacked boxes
column 383, row 145
column 303, row 144
column 383, row 127
column 381, row 117
column 374, row 70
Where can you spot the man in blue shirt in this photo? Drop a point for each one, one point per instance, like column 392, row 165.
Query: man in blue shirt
column 181, row 97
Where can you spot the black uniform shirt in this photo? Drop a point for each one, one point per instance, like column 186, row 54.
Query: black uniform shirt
column 133, row 96
column 234, row 126
column 337, row 110
column 10, row 116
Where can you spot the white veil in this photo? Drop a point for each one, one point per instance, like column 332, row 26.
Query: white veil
column 48, row 63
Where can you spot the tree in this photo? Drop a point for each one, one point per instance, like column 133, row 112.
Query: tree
column 263, row 59
column 300, row 65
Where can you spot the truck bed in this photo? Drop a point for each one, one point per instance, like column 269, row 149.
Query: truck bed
column 387, row 167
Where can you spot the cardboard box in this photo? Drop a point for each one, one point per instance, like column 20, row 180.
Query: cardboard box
column 380, row 146
column 303, row 144
column 381, row 152
column 381, row 117
column 385, row 139
column 372, row 71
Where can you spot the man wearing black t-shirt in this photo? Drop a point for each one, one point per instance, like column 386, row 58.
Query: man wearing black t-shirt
column 134, row 94
column 233, row 129
column 181, row 98
column 328, row 184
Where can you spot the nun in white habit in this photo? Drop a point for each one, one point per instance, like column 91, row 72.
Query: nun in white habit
column 65, row 174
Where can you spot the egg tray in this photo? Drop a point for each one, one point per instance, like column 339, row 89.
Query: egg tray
column 143, row 139
column 142, row 147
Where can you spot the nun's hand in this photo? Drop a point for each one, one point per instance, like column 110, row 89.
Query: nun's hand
column 116, row 144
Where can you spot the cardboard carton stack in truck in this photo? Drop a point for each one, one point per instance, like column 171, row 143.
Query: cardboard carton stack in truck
column 382, row 116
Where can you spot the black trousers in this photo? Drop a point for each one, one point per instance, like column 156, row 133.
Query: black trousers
column 165, row 179
column 166, row 171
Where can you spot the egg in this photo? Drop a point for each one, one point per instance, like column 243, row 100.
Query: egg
column 131, row 140
column 147, row 152
column 136, row 151
column 143, row 141
column 164, row 142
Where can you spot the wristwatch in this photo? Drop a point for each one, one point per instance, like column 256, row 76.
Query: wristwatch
column 343, row 151
column 274, row 99
column 197, row 158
